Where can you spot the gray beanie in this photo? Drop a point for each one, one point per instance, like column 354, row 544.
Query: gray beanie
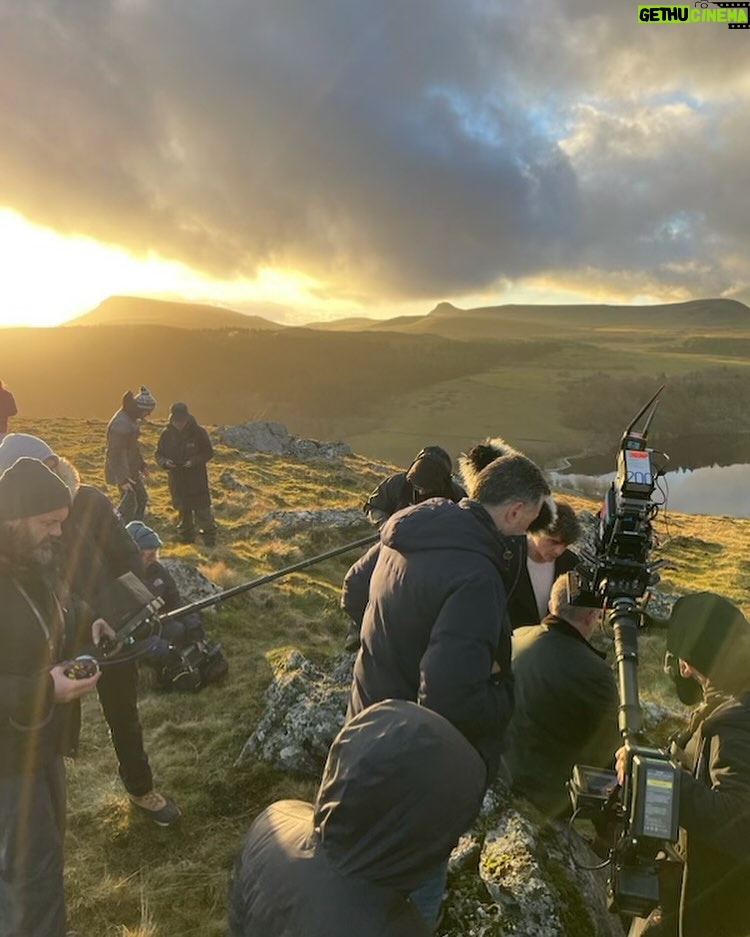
column 17, row 446
column 144, row 399
column 28, row 489
column 145, row 538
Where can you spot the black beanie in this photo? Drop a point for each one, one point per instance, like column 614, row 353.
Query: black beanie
column 28, row 488
column 429, row 473
column 709, row 632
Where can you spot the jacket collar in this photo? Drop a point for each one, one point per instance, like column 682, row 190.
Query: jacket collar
column 553, row 623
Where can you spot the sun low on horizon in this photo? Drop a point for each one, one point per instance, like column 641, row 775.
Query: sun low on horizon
column 50, row 277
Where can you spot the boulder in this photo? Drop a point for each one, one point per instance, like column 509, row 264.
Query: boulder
column 191, row 583
column 514, row 873
column 263, row 436
column 305, row 708
column 260, row 436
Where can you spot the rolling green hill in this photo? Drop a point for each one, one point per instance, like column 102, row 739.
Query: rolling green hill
column 127, row 878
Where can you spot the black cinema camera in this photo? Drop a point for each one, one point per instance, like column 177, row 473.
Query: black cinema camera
column 131, row 610
column 615, row 577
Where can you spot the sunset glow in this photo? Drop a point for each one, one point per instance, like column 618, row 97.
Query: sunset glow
column 49, row 277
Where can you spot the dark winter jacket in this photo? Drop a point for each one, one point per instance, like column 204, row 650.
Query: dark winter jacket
column 435, row 623
column 397, row 492
column 356, row 588
column 96, row 547
column 715, row 819
column 7, row 408
column 565, row 714
column 188, row 484
column 35, row 634
column 123, row 460
column 399, row 787
column 522, row 607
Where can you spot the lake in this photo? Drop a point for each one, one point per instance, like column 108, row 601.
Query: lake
column 715, row 489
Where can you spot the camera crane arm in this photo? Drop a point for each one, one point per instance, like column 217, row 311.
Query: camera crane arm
column 220, row 597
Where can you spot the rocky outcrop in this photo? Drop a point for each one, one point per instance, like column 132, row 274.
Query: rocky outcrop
column 516, row 874
column 305, row 709
column 290, row 521
column 264, row 436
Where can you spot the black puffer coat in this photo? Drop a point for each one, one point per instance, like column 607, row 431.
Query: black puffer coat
column 399, row 787
column 188, row 484
column 435, row 624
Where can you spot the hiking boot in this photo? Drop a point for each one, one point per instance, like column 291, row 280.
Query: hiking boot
column 158, row 808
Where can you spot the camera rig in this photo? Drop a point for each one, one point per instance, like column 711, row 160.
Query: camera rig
column 615, row 577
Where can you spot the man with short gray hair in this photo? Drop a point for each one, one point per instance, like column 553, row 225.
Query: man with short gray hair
column 435, row 628
column 566, row 703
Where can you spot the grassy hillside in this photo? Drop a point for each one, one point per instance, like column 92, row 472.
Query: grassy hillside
column 127, row 878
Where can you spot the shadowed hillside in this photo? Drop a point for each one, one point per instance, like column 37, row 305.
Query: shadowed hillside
column 136, row 310
column 301, row 377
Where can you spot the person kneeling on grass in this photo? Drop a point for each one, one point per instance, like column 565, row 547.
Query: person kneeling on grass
column 183, row 657
column 400, row 786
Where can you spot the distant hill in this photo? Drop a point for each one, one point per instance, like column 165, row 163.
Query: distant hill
column 575, row 321
column 137, row 310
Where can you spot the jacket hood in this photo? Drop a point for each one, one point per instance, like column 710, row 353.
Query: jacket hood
column 439, row 524
column 129, row 406
column 400, row 785
column 189, row 422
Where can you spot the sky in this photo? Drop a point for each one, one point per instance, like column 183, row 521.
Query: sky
column 367, row 157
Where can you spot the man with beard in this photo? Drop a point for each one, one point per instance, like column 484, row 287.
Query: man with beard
column 39, row 714
column 96, row 549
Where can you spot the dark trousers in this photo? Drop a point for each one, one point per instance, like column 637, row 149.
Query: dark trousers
column 32, row 827
column 118, row 694
column 132, row 506
column 192, row 518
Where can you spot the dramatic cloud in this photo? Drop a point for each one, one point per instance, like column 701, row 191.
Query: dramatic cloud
column 417, row 149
